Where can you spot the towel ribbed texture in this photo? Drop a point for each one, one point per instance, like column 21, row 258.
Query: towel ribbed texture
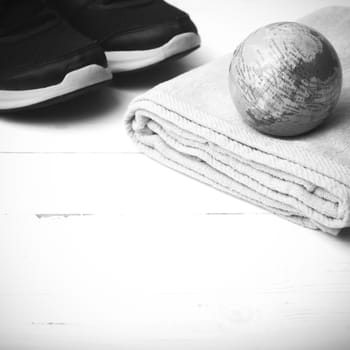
column 190, row 125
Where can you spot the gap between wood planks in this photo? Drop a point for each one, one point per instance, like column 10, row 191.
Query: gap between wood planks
column 43, row 216
column 69, row 153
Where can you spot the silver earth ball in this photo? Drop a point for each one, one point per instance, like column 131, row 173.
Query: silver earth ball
column 285, row 79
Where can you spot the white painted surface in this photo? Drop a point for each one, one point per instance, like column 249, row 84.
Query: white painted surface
column 93, row 257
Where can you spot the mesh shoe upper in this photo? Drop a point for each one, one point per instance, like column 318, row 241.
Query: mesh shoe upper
column 126, row 24
column 38, row 48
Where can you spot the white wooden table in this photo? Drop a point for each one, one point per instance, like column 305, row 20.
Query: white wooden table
column 94, row 256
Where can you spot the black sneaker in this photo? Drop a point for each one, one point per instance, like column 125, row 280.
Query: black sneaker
column 133, row 33
column 43, row 58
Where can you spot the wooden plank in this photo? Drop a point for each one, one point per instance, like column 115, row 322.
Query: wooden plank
column 176, row 281
column 104, row 183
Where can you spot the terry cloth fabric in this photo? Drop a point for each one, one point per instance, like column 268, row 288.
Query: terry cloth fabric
column 190, row 124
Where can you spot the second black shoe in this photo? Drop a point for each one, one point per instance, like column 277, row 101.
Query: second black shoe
column 43, row 59
column 133, row 33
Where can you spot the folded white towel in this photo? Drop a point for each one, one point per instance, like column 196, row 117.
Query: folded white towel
column 191, row 125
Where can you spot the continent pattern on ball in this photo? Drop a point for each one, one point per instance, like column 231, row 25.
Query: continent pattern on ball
column 285, row 79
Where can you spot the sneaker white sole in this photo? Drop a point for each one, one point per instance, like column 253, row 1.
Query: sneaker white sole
column 73, row 82
column 125, row 61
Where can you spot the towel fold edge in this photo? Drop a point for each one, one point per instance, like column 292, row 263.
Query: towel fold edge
column 336, row 174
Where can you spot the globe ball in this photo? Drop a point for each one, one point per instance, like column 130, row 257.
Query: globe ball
column 285, row 79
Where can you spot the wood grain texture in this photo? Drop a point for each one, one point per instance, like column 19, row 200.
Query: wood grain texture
column 110, row 281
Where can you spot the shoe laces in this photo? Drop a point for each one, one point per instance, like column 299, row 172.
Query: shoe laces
column 21, row 18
